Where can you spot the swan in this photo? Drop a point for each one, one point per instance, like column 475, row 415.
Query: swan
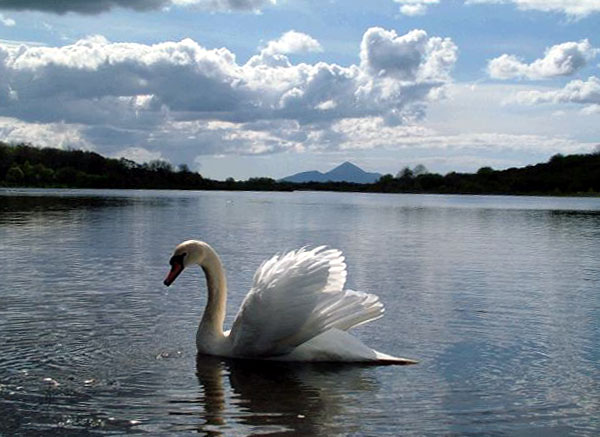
column 296, row 310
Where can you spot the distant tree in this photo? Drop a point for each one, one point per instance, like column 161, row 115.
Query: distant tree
column 419, row 170
column 183, row 168
column 25, row 165
column 431, row 181
column 596, row 150
column 386, row 183
column 6, row 158
column 230, row 183
column 405, row 173
column 15, row 175
column 66, row 175
column 128, row 163
column 386, row 178
column 259, row 183
column 42, row 173
column 29, row 172
column 160, row 165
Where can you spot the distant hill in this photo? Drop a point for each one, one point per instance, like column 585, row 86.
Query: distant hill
column 346, row 172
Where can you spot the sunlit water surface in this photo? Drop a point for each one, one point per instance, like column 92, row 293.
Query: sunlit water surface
column 498, row 297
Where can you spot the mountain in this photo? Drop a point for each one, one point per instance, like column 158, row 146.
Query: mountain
column 346, row 172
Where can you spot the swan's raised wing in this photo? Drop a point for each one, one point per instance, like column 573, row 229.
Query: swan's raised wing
column 295, row 297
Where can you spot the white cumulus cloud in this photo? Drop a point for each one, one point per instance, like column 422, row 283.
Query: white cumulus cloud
column 413, row 57
column 573, row 8
column 415, row 7
column 121, row 95
column 58, row 135
column 290, row 42
column 591, row 109
column 293, row 42
column 6, row 21
column 559, row 60
column 372, row 133
column 577, row 91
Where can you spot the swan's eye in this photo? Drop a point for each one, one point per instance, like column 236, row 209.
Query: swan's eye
column 177, row 259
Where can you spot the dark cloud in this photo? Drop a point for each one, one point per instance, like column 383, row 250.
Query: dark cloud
column 98, row 6
column 80, row 6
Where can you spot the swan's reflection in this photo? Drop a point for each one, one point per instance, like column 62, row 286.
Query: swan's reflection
column 274, row 398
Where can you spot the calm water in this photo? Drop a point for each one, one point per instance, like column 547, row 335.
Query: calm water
column 498, row 297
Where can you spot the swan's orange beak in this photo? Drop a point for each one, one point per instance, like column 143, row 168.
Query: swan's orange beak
column 176, row 269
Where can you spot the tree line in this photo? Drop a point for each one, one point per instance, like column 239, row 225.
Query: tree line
column 561, row 175
column 23, row 165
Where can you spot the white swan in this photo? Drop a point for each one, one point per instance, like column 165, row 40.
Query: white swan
column 297, row 309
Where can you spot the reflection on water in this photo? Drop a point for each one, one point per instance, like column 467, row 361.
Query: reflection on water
column 287, row 398
column 496, row 296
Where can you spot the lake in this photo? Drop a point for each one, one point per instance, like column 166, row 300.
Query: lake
column 497, row 297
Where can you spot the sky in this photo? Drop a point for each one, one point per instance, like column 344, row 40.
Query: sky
column 248, row 88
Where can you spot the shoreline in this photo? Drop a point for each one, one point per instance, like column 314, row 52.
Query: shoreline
column 586, row 195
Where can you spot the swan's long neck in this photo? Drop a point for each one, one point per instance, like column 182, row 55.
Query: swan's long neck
column 211, row 325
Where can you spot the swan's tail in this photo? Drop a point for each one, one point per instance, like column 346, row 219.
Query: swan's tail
column 354, row 308
column 389, row 359
column 339, row 346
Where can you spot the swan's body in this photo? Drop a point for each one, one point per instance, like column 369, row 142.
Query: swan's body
column 296, row 310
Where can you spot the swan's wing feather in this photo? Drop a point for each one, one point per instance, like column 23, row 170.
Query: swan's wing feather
column 285, row 291
column 295, row 297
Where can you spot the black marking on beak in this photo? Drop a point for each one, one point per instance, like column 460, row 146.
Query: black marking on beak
column 176, row 263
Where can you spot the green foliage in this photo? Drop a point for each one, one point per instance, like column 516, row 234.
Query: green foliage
column 159, row 165
column 24, row 165
column 573, row 174
column 419, row 170
column 43, row 174
column 406, row 173
column 48, row 167
column 15, row 175
column 385, row 179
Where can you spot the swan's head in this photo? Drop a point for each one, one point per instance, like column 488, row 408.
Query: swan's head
column 188, row 252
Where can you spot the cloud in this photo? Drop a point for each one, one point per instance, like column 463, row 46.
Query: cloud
column 573, row 8
column 290, row 42
column 6, row 21
column 412, row 57
column 559, row 60
column 91, row 7
column 415, row 7
column 373, row 133
column 591, row 109
column 444, row 149
column 293, row 42
column 225, row 5
column 80, row 6
column 135, row 95
column 59, row 135
column 577, row 91
column 138, row 154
